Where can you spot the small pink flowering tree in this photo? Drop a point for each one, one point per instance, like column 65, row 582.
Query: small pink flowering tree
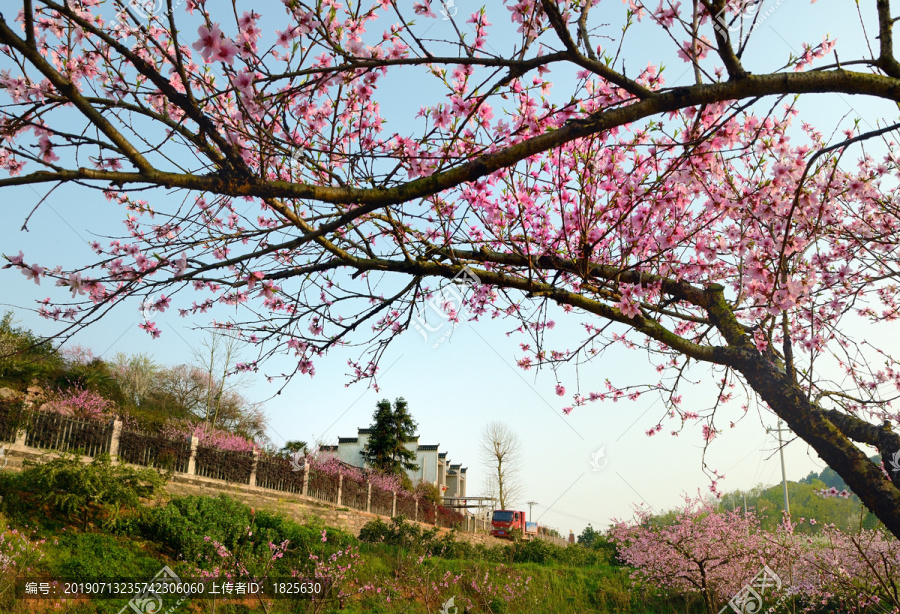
column 18, row 557
column 849, row 571
column 702, row 551
column 714, row 554
column 80, row 403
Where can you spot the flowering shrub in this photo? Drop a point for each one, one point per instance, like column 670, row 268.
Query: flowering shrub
column 341, row 568
column 481, row 588
column 80, row 403
column 447, row 517
column 18, row 555
column 244, row 560
column 209, row 436
column 328, row 463
column 847, row 572
column 77, row 354
column 833, row 492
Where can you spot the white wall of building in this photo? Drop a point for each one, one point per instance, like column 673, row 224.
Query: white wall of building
column 427, row 460
column 349, row 451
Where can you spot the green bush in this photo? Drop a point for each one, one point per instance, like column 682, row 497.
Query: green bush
column 97, row 493
column 24, row 357
column 400, row 533
column 184, row 525
column 97, row 556
column 534, row 551
column 375, row 531
column 181, row 526
column 95, row 375
column 274, row 527
column 84, row 556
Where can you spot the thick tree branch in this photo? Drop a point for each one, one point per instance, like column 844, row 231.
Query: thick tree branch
column 886, row 60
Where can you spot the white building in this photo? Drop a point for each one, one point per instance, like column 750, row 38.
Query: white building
column 434, row 467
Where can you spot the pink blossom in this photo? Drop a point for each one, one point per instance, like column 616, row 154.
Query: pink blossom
column 209, row 40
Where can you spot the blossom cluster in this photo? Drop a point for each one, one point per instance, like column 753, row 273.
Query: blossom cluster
column 80, row 403
column 209, row 436
column 328, row 463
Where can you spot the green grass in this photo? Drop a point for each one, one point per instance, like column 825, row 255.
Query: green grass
column 559, row 580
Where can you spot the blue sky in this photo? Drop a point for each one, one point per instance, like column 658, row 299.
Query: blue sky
column 471, row 379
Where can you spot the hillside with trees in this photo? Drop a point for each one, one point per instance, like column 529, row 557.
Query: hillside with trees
column 135, row 388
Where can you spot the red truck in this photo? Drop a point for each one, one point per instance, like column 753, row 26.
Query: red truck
column 504, row 524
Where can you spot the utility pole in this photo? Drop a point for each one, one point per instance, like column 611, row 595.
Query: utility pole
column 787, row 505
column 529, row 504
column 745, row 512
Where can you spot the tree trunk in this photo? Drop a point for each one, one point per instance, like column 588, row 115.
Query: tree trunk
column 808, row 421
column 828, row 432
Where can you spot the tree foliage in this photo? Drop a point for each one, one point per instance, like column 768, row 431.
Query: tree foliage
column 692, row 220
column 386, row 448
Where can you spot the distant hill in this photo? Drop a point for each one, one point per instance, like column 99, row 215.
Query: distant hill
column 830, row 477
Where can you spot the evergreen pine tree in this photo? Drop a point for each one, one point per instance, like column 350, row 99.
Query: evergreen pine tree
column 377, row 450
column 393, row 429
column 403, row 459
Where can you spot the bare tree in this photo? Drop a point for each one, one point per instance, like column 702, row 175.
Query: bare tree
column 501, row 454
column 217, row 356
column 198, row 392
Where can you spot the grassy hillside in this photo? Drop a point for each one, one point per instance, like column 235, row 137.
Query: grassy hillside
column 66, row 520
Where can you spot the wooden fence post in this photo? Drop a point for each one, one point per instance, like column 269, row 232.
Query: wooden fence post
column 253, row 469
column 192, row 461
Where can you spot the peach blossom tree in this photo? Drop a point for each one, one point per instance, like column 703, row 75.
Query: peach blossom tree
column 271, row 167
